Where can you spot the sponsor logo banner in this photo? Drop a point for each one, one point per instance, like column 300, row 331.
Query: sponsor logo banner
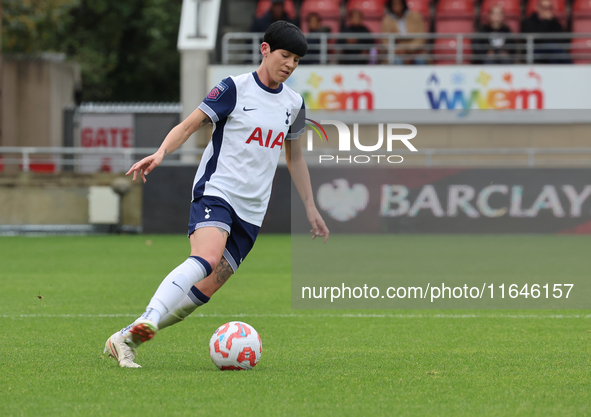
column 371, row 261
column 439, row 88
column 449, row 200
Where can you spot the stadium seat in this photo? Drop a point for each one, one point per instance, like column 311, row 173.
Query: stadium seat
column 263, row 7
column 582, row 8
column 581, row 46
column 454, row 16
column 559, row 10
column 329, row 10
column 581, row 16
column 582, row 25
column 454, row 26
column 455, row 8
column 370, row 8
column 423, row 7
column 511, row 10
column 373, row 11
column 445, row 48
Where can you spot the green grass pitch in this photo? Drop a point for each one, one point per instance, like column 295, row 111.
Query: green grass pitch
column 314, row 362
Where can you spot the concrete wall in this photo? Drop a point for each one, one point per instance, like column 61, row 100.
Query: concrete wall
column 37, row 199
column 194, row 65
column 34, row 94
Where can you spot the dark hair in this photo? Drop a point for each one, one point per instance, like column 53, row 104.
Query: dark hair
column 404, row 6
column 356, row 11
column 310, row 15
column 285, row 35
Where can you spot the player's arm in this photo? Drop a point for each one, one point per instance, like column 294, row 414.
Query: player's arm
column 175, row 138
column 301, row 178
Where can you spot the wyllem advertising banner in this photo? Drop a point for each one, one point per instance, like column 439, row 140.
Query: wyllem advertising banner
column 469, row 87
column 450, row 200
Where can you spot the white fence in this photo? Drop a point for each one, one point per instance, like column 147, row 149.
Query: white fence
column 72, row 159
column 385, row 48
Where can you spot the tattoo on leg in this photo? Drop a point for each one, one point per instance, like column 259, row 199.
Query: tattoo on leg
column 223, row 231
column 222, row 272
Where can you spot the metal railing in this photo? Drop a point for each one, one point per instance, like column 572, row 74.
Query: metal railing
column 74, row 158
column 68, row 159
column 389, row 48
column 141, row 107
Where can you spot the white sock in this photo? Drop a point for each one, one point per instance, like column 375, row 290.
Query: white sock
column 174, row 288
column 190, row 303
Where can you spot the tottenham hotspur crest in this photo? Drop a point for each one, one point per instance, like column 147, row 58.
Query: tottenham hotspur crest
column 207, row 210
column 287, row 113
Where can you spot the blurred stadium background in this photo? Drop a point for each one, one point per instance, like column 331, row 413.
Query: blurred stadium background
column 89, row 87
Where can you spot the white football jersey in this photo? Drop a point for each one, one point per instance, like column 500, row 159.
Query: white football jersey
column 251, row 122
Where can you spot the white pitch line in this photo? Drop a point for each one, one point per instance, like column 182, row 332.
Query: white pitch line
column 303, row 316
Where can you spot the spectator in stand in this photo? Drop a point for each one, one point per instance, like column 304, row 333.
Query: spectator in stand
column 275, row 13
column 314, row 22
column 399, row 19
column 356, row 26
column 498, row 47
column 544, row 21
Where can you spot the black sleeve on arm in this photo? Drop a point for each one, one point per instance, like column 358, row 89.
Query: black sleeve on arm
column 299, row 124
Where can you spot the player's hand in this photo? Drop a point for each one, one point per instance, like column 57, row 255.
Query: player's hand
column 145, row 166
column 318, row 226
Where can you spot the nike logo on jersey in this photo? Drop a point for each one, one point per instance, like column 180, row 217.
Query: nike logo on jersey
column 245, row 109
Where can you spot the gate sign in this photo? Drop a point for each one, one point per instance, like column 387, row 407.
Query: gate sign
column 112, row 132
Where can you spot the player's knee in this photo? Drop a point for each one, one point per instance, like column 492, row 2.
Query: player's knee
column 209, row 263
column 213, row 263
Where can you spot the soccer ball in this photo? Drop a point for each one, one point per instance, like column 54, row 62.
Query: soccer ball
column 235, row 346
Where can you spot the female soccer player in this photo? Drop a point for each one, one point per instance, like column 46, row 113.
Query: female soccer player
column 254, row 114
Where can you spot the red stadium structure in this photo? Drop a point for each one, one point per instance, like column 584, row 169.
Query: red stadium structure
column 581, row 46
column 581, row 16
column 581, row 23
column 454, row 16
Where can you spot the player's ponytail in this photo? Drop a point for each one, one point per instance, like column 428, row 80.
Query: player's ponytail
column 285, row 35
